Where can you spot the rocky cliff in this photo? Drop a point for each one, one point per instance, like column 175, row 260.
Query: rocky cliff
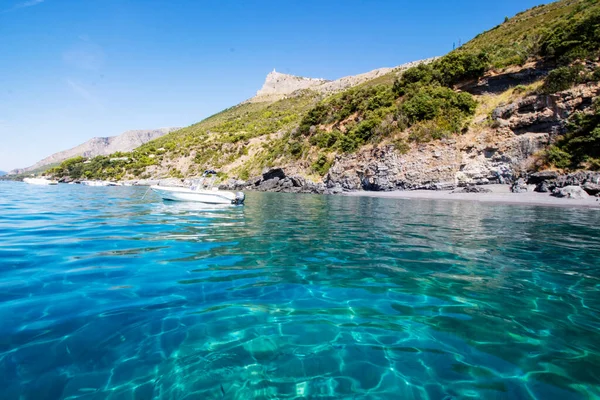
column 277, row 85
column 98, row 146
column 490, row 152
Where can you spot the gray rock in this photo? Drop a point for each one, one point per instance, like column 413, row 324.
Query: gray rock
column 542, row 187
column 268, row 185
column 592, row 189
column 519, row 186
column 570, row 192
column 541, row 176
column 273, row 173
column 473, row 189
column 298, row 181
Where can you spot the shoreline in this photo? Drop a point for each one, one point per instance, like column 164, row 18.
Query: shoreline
column 500, row 194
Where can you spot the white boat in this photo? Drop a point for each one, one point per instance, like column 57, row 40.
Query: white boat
column 208, row 196
column 95, row 183
column 200, row 193
column 40, row 181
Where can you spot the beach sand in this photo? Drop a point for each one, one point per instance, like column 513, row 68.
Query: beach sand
column 499, row 194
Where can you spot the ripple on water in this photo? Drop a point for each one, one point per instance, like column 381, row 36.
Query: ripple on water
column 105, row 295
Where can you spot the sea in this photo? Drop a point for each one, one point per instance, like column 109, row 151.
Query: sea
column 112, row 293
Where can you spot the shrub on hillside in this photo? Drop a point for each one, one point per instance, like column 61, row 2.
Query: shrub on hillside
column 573, row 39
column 433, row 101
column 557, row 157
column 563, row 78
column 447, row 71
column 337, row 108
column 324, row 139
column 322, row 164
column 581, row 144
column 461, row 65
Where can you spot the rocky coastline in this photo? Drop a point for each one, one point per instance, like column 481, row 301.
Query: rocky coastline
column 575, row 185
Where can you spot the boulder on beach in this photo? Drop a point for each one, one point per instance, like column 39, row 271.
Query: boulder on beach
column 570, row 192
column 519, row 186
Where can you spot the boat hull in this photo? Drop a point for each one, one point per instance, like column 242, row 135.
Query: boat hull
column 40, row 181
column 199, row 196
column 95, row 183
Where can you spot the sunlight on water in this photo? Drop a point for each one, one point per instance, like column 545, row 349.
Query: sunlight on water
column 104, row 295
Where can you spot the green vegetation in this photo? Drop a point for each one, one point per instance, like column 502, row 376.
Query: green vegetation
column 322, row 164
column 564, row 78
column 101, row 167
column 580, row 147
column 421, row 99
column 562, row 31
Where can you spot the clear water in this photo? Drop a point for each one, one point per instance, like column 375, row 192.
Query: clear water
column 104, row 295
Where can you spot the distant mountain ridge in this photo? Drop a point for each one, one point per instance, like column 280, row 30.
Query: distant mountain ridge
column 2, row 173
column 100, row 146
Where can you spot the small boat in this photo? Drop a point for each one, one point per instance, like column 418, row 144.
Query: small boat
column 95, row 183
column 201, row 193
column 40, row 181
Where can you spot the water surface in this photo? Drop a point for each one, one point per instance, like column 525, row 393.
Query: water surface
column 104, row 295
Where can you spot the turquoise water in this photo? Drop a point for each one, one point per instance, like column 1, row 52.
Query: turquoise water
column 104, row 295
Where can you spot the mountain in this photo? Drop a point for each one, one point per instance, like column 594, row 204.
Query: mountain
column 278, row 86
column 517, row 98
column 97, row 146
column 2, row 173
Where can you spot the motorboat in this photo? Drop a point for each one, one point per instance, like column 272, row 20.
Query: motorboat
column 40, row 181
column 199, row 192
column 94, row 183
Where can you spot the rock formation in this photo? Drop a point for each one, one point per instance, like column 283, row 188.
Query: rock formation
column 492, row 155
column 278, row 85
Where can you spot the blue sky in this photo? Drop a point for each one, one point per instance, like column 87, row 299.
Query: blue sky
column 74, row 69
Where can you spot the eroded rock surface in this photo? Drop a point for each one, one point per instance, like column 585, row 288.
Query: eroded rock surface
column 497, row 154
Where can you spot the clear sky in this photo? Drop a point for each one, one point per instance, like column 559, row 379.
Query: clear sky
column 74, row 69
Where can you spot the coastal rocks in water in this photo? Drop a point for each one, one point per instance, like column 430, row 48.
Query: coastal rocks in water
column 275, row 180
column 519, row 186
column 570, row 192
column 473, row 189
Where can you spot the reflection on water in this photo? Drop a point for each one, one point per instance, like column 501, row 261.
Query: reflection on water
column 105, row 295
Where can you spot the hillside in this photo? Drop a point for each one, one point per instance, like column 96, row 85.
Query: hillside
column 519, row 97
column 97, row 146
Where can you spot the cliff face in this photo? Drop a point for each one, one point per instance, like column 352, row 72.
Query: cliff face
column 485, row 154
column 278, row 85
column 100, row 146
